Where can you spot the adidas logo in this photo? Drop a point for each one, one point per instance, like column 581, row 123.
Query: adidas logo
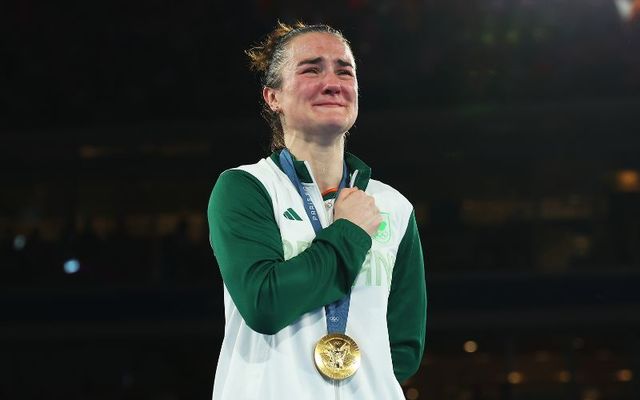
column 290, row 214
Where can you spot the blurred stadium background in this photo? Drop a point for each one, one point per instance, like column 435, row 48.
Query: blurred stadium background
column 512, row 125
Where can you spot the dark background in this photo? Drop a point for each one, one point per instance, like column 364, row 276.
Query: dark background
column 511, row 125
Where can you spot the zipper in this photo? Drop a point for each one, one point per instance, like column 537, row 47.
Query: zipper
column 353, row 178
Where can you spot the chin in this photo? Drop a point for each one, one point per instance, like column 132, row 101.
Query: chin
column 337, row 128
column 338, row 124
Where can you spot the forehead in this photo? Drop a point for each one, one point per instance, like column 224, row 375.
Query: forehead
column 319, row 44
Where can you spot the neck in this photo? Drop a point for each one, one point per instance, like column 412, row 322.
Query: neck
column 325, row 159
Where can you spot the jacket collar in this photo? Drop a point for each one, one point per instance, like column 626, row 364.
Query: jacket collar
column 353, row 164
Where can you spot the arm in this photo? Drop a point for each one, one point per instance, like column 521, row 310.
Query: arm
column 407, row 308
column 269, row 292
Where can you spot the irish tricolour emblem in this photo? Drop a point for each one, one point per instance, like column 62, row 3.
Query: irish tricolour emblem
column 384, row 230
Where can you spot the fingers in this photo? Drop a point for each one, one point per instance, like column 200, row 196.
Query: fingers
column 358, row 207
column 353, row 197
column 346, row 192
column 353, row 194
column 370, row 223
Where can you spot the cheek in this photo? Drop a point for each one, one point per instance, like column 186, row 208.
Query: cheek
column 296, row 98
column 353, row 91
column 302, row 89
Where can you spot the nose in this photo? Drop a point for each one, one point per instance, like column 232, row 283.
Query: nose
column 331, row 89
column 331, row 86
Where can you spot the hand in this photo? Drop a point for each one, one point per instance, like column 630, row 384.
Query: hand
column 358, row 207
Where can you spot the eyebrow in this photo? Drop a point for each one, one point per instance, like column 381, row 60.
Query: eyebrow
column 343, row 63
column 318, row 60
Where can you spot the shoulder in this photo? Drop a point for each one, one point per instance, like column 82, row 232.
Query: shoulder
column 241, row 184
column 265, row 171
column 245, row 184
column 246, row 175
column 377, row 188
column 259, row 168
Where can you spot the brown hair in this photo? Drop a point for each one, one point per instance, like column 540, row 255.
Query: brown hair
column 268, row 58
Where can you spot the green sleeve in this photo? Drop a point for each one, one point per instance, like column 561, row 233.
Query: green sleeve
column 407, row 308
column 269, row 292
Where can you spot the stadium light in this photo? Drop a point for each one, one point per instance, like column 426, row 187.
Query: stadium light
column 71, row 266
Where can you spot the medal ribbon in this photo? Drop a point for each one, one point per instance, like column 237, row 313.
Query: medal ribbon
column 338, row 311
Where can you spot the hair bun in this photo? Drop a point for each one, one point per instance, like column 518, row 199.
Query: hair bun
column 260, row 55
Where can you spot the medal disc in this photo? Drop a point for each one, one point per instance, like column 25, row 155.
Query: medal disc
column 337, row 356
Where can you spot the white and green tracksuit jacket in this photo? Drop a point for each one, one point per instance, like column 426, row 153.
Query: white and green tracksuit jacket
column 278, row 275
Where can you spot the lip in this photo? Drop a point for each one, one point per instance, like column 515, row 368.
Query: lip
column 329, row 104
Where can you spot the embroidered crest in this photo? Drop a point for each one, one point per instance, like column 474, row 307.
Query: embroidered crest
column 383, row 235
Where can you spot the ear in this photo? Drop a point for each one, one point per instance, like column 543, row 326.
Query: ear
column 270, row 97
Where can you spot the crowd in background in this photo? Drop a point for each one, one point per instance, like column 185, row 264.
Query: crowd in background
column 451, row 245
column 114, row 259
column 150, row 61
column 103, row 65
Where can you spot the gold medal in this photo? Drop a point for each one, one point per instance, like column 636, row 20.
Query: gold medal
column 337, row 356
